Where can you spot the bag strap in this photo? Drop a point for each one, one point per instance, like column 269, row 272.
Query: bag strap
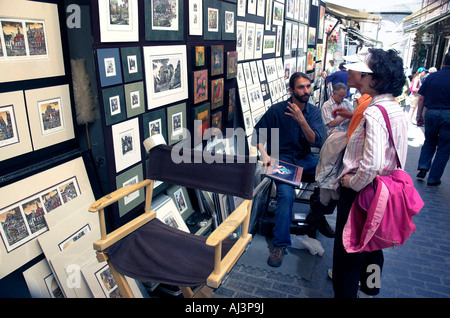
column 388, row 125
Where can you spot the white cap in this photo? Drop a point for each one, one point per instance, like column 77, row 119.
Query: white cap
column 360, row 66
column 357, row 57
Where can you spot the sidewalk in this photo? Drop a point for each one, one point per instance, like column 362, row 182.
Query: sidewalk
column 418, row 269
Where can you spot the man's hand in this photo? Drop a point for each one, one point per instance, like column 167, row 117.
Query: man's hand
column 341, row 111
column 295, row 112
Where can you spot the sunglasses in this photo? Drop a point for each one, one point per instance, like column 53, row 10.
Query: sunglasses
column 365, row 74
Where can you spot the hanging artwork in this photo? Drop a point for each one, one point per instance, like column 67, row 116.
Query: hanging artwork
column 164, row 20
column 217, row 93
column 232, row 64
column 119, row 20
column 212, row 24
column 195, row 17
column 127, row 144
column 166, row 74
column 216, row 60
column 200, row 86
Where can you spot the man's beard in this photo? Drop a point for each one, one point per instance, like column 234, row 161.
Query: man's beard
column 302, row 98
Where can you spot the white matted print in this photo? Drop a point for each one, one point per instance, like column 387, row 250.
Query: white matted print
column 49, row 115
column 126, row 141
column 119, row 20
column 195, row 17
column 166, row 72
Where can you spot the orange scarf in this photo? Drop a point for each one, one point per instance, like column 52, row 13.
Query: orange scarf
column 361, row 105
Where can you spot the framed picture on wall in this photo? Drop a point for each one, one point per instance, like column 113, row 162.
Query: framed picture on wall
column 231, row 103
column 212, row 24
column 278, row 13
column 217, row 60
column 229, row 21
column 131, row 64
column 49, row 115
column 114, row 105
column 241, row 8
column 232, row 63
column 240, row 39
column 109, row 66
column 119, row 20
column 176, row 123
column 131, row 201
column 195, row 17
column 259, row 38
column 217, row 93
column 166, row 74
column 42, row 57
column 200, row 86
column 134, row 98
column 155, row 122
column 199, row 56
column 180, row 197
column 164, row 20
column 202, row 114
column 127, row 144
column 15, row 140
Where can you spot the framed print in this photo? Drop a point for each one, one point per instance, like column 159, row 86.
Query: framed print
column 248, row 123
column 302, row 35
column 168, row 213
column 114, row 105
column 278, row 40
column 201, row 113
column 280, row 67
column 310, row 59
column 240, row 76
column 164, row 20
column 321, row 22
column 287, row 38
column 42, row 55
column 217, row 93
column 278, row 13
column 260, row 67
column 311, row 36
column 243, row 97
column 176, row 123
column 199, row 56
column 200, row 86
column 109, row 67
column 251, row 7
column 216, row 120
column 268, row 17
column 50, row 186
column 131, row 201
column 254, row 70
column 195, row 17
column 134, row 98
column 41, row 282
column 212, row 23
column 131, row 64
column 240, row 39
column 241, row 8
column 15, row 137
column 255, row 97
column 50, row 115
column 290, row 9
column 119, row 20
column 259, row 37
column 126, row 143
column 180, row 197
column 249, row 40
column 231, row 103
column 247, row 73
column 229, row 21
column 294, row 36
column 268, row 44
column 166, row 74
column 217, row 60
column 232, row 63
column 155, row 122
column 271, row 69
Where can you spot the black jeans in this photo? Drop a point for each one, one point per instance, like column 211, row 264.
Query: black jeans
column 351, row 268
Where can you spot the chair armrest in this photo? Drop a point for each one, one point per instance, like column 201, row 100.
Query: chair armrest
column 230, row 224
column 117, row 195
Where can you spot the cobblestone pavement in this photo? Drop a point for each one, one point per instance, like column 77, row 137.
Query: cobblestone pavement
column 418, row 269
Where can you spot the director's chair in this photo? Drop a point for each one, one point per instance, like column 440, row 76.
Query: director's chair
column 150, row 251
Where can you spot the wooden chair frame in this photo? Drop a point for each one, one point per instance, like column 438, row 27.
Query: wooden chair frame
column 241, row 215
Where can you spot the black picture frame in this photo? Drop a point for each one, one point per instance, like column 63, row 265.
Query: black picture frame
column 163, row 35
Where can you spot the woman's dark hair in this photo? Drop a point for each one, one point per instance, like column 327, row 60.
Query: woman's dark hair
column 387, row 68
column 295, row 76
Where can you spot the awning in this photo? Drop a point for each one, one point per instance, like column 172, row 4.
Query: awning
column 427, row 16
column 351, row 14
column 355, row 33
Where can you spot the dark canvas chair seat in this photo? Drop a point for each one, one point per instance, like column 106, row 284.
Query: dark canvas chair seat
column 149, row 250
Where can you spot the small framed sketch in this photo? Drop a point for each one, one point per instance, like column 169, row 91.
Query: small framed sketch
column 240, row 76
column 114, row 105
column 15, row 136
column 217, row 60
column 49, row 115
column 131, row 64
column 176, row 123
column 131, row 201
column 180, row 197
column 109, row 66
column 134, row 98
column 168, row 213
column 216, row 121
column 200, row 86
column 259, row 37
column 119, row 21
column 211, row 20
column 232, row 62
column 163, row 85
column 278, row 13
column 240, row 39
column 199, row 56
column 155, row 122
column 127, row 144
column 164, row 20
column 229, row 21
column 202, row 116
column 195, row 17
column 243, row 97
column 250, row 40
column 217, row 87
